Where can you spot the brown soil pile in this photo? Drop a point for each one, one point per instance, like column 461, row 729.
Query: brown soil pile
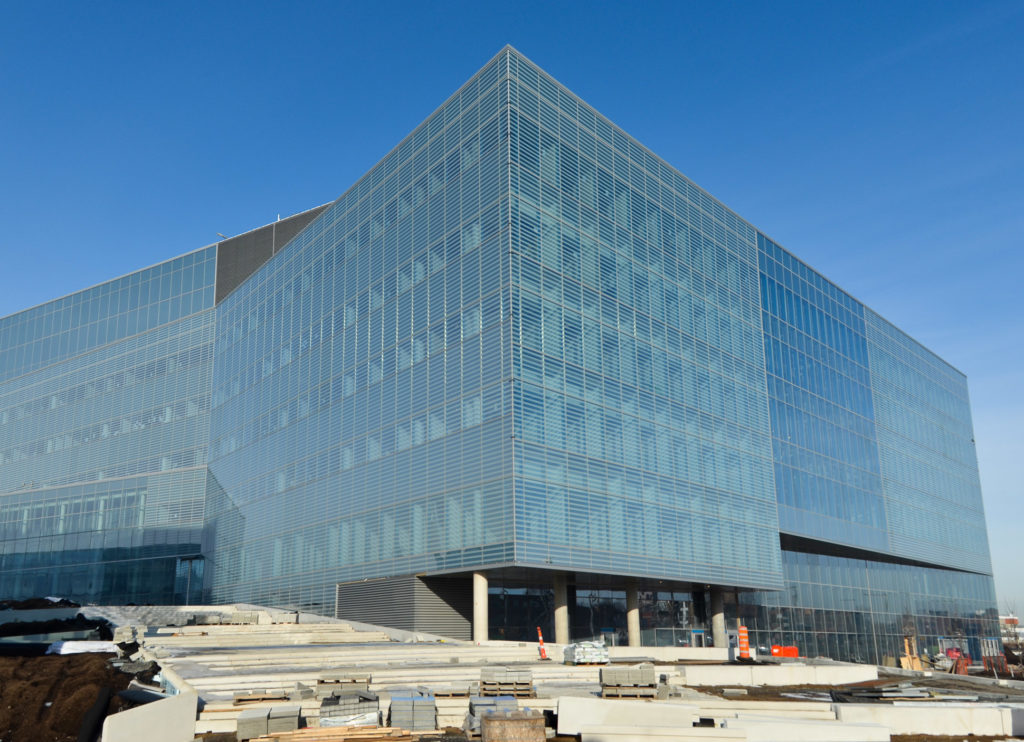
column 938, row 681
column 34, row 603
column 78, row 623
column 43, row 699
column 765, row 692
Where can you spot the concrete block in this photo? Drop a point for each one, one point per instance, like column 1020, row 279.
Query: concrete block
column 1013, row 721
column 608, row 733
column 790, row 673
column 614, row 675
column 670, row 654
column 479, row 705
column 843, row 674
column 716, row 674
column 770, row 729
column 252, row 722
column 727, row 709
column 928, row 718
column 574, row 713
column 642, row 674
column 170, row 720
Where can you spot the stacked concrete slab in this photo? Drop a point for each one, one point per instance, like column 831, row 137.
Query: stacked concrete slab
column 721, row 709
column 333, row 682
column 787, row 674
column 637, row 681
column 415, row 713
column 767, row 729
column 575, row 713
column 349, row 703
column 505, row 675
column 252, row 722
column 613, row 733
column 505, row 681
column 937, row 718
column 283, row 719
column 481, row 706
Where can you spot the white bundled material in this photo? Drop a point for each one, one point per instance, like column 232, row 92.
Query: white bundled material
column 80, row 646
column 586, row 653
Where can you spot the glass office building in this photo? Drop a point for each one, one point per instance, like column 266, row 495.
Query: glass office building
column 522, row 373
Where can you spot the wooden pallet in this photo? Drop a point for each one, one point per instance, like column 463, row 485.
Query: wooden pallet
column 241, row 700
column 513, row 694
column 516, row 690
column 629, row 691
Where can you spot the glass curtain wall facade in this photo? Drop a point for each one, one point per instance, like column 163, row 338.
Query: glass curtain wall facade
column 104, row 420
column 521, row 344
column 642, row 439
column 376, row 349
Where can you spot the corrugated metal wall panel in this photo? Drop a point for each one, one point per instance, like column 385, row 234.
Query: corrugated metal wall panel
column 386, row 602
column 444, row 605
column 434, row 605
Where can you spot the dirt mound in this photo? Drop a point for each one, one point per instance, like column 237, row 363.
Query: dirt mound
column 36, row 603
column 43, row 699
column 78, row 623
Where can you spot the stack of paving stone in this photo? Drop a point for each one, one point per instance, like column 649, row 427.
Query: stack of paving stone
column 637, row 681
column 522, row 726
column 283, row 719
column 301, row 692
column 349, row 703
column 415, row 713
column 331, row 682
column 252, row 722
column 480, row 706
column 504, row 681
column 586, row 653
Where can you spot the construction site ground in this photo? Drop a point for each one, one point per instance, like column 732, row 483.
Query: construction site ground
column 246, row 650
column 43, row 699
column 938, row 681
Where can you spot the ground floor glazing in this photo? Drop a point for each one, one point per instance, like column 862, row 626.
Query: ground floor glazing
column 844, row 608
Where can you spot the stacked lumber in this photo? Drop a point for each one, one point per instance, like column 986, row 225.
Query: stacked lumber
column 339, row 734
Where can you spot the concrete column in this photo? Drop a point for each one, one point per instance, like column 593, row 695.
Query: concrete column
column 561, row 610
column 480, row 619
column 633, row 613
column 718, row 635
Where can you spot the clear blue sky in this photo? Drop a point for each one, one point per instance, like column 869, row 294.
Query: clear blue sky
column 881, row 142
